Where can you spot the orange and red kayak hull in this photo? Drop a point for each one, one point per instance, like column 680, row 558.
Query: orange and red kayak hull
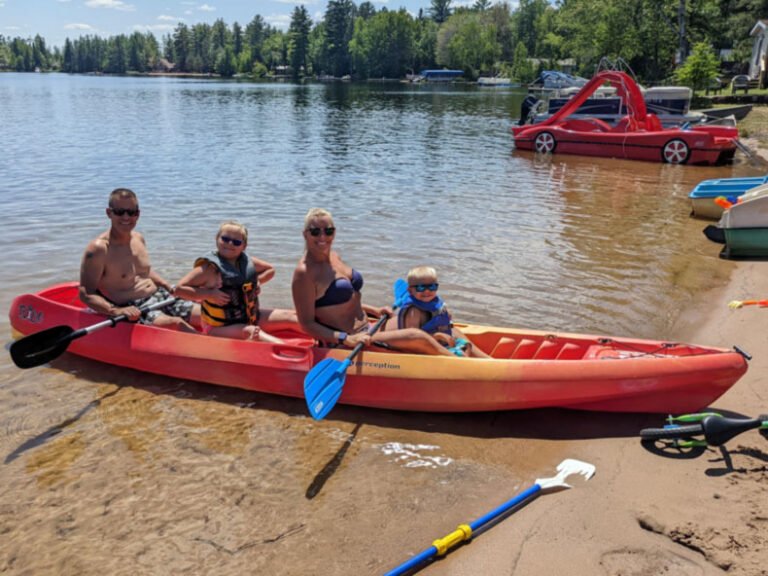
column 530, row 369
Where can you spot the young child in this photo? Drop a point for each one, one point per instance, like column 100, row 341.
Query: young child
column 227, row 283
column 424, row 309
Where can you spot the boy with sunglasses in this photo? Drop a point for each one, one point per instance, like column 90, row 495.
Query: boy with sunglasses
column 116, row 277
column 422, row 308
column 227, row 283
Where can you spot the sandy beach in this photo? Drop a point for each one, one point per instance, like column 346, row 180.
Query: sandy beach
column 696, row 513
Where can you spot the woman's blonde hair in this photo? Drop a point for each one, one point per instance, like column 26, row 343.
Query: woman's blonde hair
column 316, row 213
column 422, row 273
column 233, row 224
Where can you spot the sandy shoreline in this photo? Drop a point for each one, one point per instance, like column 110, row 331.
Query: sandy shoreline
column 645, row 514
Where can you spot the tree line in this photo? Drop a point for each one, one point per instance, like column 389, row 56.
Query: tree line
column 652, row 36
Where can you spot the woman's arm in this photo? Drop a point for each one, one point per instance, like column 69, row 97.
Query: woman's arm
column 303, row 290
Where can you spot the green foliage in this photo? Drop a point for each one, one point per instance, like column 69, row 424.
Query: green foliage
column 465, row 42
column 369, row 42
column 225, row 64
column 700, row 68
column 339, row 27
column 440, row 10
column 383, row 46
column 298, row 40
column 522, row 69
column 259, row 70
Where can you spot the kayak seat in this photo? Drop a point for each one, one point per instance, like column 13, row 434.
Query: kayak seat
column 571, row 352
column 548, row 350
column 504, row 348
column 526, row 349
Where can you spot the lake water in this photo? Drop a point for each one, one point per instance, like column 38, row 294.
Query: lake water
column 112, row 471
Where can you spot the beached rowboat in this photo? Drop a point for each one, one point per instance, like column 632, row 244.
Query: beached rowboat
column 529, row 369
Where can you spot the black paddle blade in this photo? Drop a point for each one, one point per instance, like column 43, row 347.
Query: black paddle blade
column 42, row 347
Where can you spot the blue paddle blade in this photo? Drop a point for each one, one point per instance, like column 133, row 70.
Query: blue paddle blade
column 400, row 290
column 323, row 386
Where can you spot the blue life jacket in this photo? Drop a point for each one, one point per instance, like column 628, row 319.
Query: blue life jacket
column 439, row 318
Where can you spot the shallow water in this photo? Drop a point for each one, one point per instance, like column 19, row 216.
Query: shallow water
column 107, row 470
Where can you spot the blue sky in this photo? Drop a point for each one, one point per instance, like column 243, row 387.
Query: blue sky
column 55, row 20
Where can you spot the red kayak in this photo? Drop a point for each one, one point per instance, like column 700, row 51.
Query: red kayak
column 528, row 369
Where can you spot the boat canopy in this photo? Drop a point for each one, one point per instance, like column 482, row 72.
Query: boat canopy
column 441, row 74
column 555, row 80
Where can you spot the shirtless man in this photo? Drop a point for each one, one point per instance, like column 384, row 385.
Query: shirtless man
column 116, row 276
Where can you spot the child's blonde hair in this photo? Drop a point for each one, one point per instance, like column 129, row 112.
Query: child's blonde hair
column 422, row 273
column 316, row 213
column 233, row 224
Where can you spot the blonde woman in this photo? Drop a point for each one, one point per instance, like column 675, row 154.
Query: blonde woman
column 328, row 299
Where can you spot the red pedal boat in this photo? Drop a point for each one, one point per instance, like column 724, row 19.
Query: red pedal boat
column 529, row 369
column 637, row 136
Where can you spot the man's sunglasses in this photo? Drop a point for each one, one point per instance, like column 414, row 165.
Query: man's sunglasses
column 328, row 230
column 233, row 241
column 423, row 287
column 124, row 211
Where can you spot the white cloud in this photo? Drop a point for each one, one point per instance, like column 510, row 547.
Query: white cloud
column 305, row 2
column 206, row 8
column 12, row 28
column 63, row 1
column 153, row 27
column 78, row 26
column 282, row 21
column 116, row 4
column 167, row 18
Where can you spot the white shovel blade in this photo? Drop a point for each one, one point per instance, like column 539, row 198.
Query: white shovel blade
column 565, row 469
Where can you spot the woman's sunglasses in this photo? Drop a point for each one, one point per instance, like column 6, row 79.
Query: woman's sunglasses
column 124, row 211
column 423, row 287
column 328, row 230
column 233, row 241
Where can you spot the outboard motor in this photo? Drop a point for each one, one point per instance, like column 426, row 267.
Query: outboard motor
column 527, row 109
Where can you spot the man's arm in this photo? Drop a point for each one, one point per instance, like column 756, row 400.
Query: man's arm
column 91, row 271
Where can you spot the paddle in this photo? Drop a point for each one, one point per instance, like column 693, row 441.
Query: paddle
column 465, row 531
column 324, row 383
column 42, row 347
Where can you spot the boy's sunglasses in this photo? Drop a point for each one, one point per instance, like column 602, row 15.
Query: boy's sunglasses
column 328, row 230
column 124, row 211
column 233, row 241
column 422, row 287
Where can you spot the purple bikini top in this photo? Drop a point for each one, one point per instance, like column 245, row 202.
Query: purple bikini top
column 340, row 290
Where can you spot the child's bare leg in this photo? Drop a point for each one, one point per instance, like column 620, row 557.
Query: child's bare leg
column 471, row 350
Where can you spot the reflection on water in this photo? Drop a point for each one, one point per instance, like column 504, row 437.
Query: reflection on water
column 108, row 470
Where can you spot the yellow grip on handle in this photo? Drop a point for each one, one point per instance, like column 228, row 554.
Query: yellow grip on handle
column 463, row 532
